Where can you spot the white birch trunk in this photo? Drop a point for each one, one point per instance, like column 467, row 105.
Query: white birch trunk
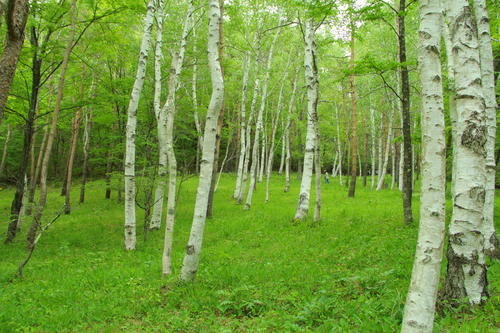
column 422, row 294
column 273, row 135
column 317, row 166
column 283, row 147
column 488, row 81
column 393, row 166
column 380, row 149
column 466, row 271
column 196, row 117
column 312, row 100
column 248, row 139
column 243, row 124
column 193, row 248
column 373, row 148
column 259, row 126
column 130, row 236
column 161, row 125
column 287, row 131
column 339, row 145
column 387, row 151
column 169, row 111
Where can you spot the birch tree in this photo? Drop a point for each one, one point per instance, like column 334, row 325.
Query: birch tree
column 169, row 110
column 193, row 248
column 422, row 294
column 53, row 129
column 488, row 80
column 287, row 130
column 383, row 171
column 466, row 274
column 259, row 129
column 160, row 122
column 312, row 103
column 16, row 17
column 273, row 133
column 243, row 124
column 130, row 190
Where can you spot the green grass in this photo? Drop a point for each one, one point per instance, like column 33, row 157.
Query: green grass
column 258, row 272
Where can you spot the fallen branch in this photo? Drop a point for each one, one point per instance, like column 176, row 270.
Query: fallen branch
column 31, row 248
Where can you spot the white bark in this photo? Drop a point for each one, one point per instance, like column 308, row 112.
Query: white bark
column 273, row 134
column 339, row 144
column 283, row 147
column 259, row 129
column 387, row 151
column 243, row 124
column 488, row 81
column 466, row 273
column 393, row 166
column 161, row 124
column 248, row 137
column 317, row 165
column 380, row 149
column 402, row 146
column 169, row 111
column 422, row 294
column 287, row 131
column 193, row 248
column 312, row 101
column 196, row 117
column 130, row 190
column 373, row 147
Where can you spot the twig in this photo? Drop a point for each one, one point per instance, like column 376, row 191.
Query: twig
column 32, row 246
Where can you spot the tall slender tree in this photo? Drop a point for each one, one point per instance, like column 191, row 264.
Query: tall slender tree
column 130, row 190
column 422, row 294
column 193, row 248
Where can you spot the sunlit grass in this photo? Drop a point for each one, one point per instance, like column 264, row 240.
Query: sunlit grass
column 258, row 272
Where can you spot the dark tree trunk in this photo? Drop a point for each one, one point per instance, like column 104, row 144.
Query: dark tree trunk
column 28, row 134
column 17, row 15
column 405, row 95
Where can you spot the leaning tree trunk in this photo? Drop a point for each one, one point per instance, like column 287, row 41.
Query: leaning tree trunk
column 466, row 274
column 422, row 294
column 241, row 160
column 5, row 148
column 405, row 103
column 52, row 133
column 169, row 110
column 160, row 122
column 130, row 237
column 312, row 103
column 491, row 245
column 193, row 248
column 17, row 202
column 17, row 15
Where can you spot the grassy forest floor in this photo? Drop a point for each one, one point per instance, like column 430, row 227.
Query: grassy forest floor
column 258, row 272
